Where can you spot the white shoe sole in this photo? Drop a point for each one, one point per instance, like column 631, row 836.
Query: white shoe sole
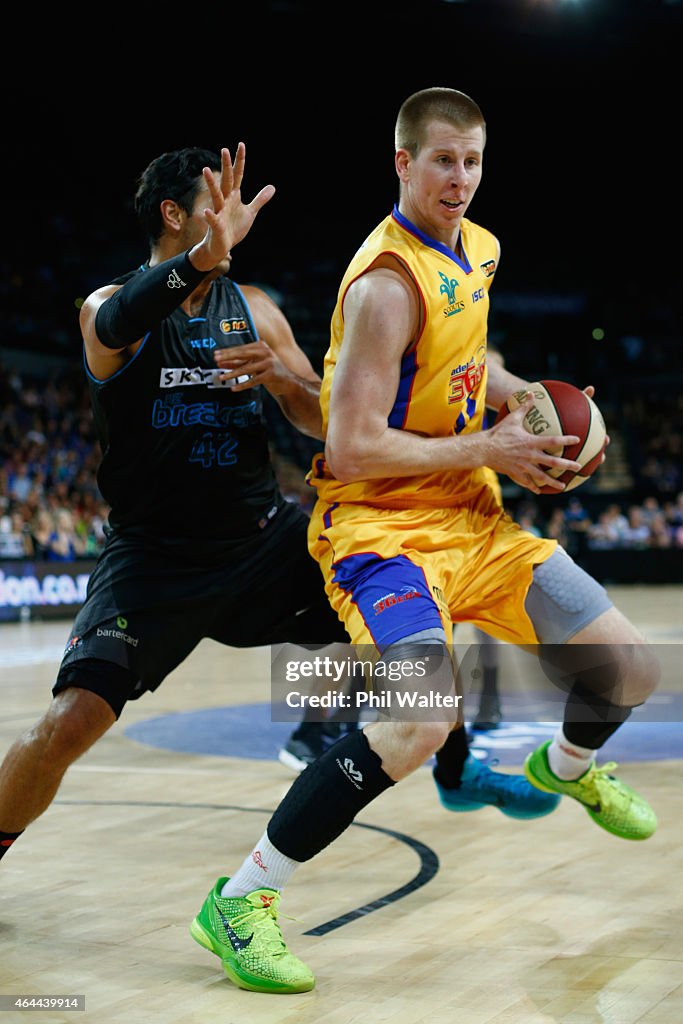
column 295, row 764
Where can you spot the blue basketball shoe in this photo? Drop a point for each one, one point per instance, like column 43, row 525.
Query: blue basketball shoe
column 481, row 787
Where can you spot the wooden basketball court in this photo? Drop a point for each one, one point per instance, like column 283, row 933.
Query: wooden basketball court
column 414, row 916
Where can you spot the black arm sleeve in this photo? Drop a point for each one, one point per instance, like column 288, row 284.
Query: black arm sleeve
column 145, row 300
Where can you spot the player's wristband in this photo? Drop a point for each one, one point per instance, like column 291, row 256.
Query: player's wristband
column 145, row 300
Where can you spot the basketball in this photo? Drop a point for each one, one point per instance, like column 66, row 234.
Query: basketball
column 561, row 408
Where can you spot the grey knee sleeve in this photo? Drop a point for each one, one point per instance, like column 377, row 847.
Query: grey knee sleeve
column 562, row 599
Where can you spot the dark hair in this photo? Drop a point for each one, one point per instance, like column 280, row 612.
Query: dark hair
column 176, row 175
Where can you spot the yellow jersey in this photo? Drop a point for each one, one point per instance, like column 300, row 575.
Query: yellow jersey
column 442, row 384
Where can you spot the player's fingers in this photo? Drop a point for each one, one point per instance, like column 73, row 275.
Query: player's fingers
column 254, row 348
column 230, row 376
column 260, row 200
column 529, row 483
column 227, row 172
column 213, row 219
column 229, row 359
column 550, row 481
column 541, row 482
column 214, row 191
column 257, row 360
column 251, row 368
column 254, row 379
column 523, row 407
column 590, row 391
column 557, row 462
column 550, row 441
column 238, row 171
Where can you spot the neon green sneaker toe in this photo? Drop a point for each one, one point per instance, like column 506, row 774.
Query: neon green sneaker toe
column 611, row 803
column 243, row 931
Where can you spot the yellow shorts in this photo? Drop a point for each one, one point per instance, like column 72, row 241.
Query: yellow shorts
column 390, row 573
column 494, row 484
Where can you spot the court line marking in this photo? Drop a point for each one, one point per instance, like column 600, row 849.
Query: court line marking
column 117, row 769
column 429, row 862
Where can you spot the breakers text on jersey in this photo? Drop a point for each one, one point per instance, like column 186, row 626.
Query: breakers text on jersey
column 175, row 412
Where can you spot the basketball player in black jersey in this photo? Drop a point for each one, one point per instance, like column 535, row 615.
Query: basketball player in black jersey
column 200, row 542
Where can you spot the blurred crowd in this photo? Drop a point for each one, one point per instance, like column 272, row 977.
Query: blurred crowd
column 51, row 508
column 653, row 429
column 648, row 524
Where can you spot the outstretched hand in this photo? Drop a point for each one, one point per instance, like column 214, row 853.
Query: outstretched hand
column 229, row 219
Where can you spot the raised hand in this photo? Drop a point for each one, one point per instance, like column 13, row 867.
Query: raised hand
column 228, row 219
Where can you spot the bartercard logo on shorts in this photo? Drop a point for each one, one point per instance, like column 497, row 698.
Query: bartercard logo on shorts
column 191, row 376
column 119, row 634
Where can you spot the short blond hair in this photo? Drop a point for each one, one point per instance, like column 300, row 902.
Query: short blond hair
column 437, row 104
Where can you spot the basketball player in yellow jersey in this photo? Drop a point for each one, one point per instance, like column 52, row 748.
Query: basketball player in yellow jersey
column 410, row 538
column 407, row 529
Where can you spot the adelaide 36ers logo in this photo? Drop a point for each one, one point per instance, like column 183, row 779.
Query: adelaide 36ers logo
column 465, row 377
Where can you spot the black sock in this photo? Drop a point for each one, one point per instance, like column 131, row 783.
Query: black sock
column 326, row 797
column 589, row 719
column 490, row 685
column 450, row 760
column 307, row 728
column 6, row 840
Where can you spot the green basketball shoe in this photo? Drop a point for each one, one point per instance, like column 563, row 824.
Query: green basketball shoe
column 611, row 803
column 243, row 931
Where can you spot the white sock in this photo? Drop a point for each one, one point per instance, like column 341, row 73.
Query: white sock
column 566, row 760
column 264, row 867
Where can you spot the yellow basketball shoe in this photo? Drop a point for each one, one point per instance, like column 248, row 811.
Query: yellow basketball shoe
column 243, row 931
column 611, row 803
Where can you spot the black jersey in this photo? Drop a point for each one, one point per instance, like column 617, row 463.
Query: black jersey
column 184, row 457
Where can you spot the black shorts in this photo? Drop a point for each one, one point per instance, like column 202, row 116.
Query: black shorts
column 149, row 604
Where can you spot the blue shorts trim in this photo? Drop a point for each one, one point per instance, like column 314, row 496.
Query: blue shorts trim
column 392, row 594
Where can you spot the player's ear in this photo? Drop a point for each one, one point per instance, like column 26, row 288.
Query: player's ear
column 402, row 163
column 172, row 215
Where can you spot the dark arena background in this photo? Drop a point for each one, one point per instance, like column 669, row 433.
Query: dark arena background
column 414, row 915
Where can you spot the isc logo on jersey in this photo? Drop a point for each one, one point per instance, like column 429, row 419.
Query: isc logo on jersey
column 188, row 376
